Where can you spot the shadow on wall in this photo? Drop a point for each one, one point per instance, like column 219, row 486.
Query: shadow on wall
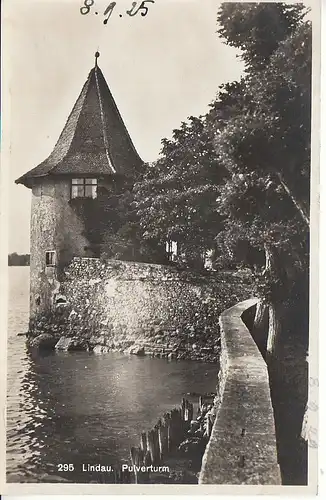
column 288, row 375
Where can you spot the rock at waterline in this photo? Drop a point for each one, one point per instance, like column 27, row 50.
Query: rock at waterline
column 71, row 344
column 100, row 349
column 63, row 344
column 138, row 350
column 43, row 341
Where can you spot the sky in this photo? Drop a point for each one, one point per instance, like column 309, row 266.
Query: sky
column 161, row 68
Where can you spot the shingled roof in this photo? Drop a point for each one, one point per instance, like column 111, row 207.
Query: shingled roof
column 94, row 141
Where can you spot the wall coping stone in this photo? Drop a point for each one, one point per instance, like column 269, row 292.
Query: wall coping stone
column 86, row 267
column 242, row 446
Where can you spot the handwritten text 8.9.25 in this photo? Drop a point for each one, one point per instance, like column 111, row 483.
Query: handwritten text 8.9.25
column 136, row 7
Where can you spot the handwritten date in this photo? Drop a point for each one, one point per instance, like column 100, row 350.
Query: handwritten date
column 133, row 11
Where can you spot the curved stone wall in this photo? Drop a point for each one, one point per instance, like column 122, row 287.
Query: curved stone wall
column 242, row 445
column 142, row 308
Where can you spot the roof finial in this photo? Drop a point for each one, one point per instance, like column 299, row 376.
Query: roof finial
column 97, row 55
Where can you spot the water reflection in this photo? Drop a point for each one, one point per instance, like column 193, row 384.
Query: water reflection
column 81, row 408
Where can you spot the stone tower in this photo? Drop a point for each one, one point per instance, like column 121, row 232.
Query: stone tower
column 93, row 152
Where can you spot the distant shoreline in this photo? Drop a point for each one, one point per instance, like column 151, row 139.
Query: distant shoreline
column 15, row 259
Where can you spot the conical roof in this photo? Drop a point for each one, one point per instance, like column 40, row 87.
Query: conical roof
column 94, row 141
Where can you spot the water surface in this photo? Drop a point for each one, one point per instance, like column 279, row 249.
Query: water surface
column 83, row 408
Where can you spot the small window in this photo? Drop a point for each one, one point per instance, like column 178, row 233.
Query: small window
column 84, row 188
column 171, row 248
column 50, row 258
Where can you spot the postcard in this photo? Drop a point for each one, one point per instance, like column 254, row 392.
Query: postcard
column 160, row 170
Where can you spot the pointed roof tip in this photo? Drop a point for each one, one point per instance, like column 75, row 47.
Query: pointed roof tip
column 97, row 55
column 94, row 139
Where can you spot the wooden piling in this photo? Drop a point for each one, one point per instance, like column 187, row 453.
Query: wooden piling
column 163, row 437
column 150, row 446
column 156, row 446
column 138, row 459
column 190, row 412
column 209, row 425
column 153, row 446
column 178, row 425
column 135, row 462
column 173, row 429
column 169, row 430
column 143, row 442
column 183, row 408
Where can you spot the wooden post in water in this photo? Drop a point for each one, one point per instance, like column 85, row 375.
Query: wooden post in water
column 138, row 459
column 180, row 424
column 186, row 414
column 153, row 445
column 183, row 408
column 190, row 412
column 208, row 424
column 150, row 445
column 172, row 430
column 177, row 426
column 143, row 442
column 156, row 445
column 163, row 437
column 135, row 461
column 169, row 430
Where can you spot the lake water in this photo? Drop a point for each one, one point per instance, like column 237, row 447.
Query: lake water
column 82, row 408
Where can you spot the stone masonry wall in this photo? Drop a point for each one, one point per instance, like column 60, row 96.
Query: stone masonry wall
column 242, row 446
column 57, row 225
column 54, row 227
column 143, row 308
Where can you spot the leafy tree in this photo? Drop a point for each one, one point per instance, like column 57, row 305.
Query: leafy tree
column 266, row 149
column 112, row 225
column 177, row 197
column 240, row 174
column 258, row 28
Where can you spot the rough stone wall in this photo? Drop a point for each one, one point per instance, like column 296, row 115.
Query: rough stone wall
column 54, row 226
column 242, row 446
column 121, row 305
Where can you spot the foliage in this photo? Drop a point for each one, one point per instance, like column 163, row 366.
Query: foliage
column 272, row 135
column 112, row 225
column 266, row 150
column 258, row 28
column 177, row 198
column 237, row 179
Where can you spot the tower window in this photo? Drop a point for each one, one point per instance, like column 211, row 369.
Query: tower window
column 50, row 258
column 84, row 188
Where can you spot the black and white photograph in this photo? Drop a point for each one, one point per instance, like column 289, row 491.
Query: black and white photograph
column 160, row 166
